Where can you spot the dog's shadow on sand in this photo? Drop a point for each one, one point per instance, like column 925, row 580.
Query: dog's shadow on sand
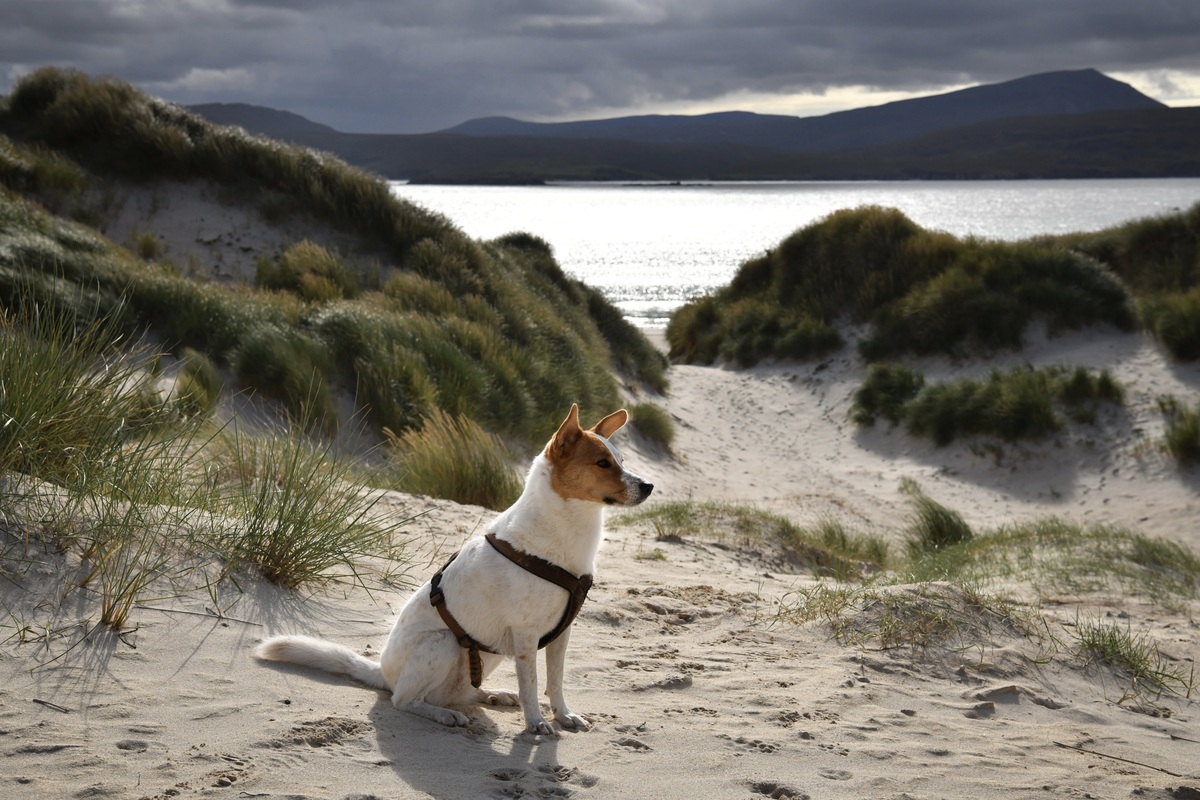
column 490, row 757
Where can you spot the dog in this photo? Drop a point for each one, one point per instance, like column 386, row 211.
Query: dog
column 501, row 608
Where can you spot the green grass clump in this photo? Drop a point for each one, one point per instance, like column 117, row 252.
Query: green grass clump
column 67, row 394
column 885, row 392
column 913, row 617
column 198, row 384
column 653, row 423
column 1174, row 319
column 1016, row 404
column 1155, row 255
column 920, row 291
column 828, row 549
column 309, row 271
column 934, row 527
column 147, row 246
column 297, row 516
column 455, row 459
column 1056, row 557
column 1182, row 439
column 288, row 365
column 1159, row 259
column 1134, row 655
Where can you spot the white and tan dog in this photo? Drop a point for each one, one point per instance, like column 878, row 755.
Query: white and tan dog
column 502, row 606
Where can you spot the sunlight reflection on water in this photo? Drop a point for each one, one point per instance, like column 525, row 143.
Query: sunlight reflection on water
column 649, row 247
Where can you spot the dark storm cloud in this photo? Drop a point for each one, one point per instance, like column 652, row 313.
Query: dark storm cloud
column 389, row 65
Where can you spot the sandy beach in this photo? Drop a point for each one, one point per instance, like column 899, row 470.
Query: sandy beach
column 696, row 685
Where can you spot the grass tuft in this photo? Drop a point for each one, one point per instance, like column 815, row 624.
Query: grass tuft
column 934, row 527
column 1182, row 438
column 455, row 459
column 1017, row 404
column 309, row 271
column 297, row 516
column 1134, row 655
column 830, row 549
column 653, row 423
column 885, row 392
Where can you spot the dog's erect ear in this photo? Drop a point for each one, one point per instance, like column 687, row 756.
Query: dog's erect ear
column 569, row 434
column 611, row 424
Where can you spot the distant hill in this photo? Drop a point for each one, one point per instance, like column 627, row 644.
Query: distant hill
column 1048, row 94
column 269, row 122
column 1055, row 125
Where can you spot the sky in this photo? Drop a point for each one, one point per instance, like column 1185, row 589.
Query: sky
column 415, row 66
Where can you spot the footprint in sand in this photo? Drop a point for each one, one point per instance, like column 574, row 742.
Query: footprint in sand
column 750, row 745
column 235, row 769
column 543, row 780
column 322, row 733
column 777, row 791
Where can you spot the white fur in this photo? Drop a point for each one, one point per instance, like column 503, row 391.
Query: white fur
column 499, row 603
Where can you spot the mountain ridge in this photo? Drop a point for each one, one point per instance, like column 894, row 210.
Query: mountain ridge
column 940, row 136
column 1044, row 94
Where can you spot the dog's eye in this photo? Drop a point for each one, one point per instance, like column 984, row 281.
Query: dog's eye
column 603, row 463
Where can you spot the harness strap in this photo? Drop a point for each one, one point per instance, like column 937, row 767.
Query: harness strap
column 437, row 598
column 576, row 588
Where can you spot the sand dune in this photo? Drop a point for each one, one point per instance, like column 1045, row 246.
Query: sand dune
column 696, row 687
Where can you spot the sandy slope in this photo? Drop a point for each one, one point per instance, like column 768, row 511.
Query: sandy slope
column 694, row 687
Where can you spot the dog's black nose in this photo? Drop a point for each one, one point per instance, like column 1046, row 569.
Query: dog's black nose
column 645, row 488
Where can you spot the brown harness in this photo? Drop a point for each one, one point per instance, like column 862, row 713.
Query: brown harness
column 576, row 587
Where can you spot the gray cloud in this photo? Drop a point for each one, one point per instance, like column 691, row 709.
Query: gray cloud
column 405, row 66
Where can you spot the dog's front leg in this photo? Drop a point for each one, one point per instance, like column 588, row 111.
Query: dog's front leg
column 556, row 653
column 525, row 648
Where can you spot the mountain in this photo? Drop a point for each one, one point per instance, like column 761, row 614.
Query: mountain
column 269, row 122
column 1055, row 125
column 1049, row 94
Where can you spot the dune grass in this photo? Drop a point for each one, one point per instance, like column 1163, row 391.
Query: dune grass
column 1009, row 405
column 493, row 331
column 100, row 471
column 298, row 515
column 917, row 618
column 1182, row 438
column 934, row 527
column 919, row 291
column 1135, row 657
column 454, row 458
column 1159, row 259
column 829, row 548
column 653, row 423
column 952, row 596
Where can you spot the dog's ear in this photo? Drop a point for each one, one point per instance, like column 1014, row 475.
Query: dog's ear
column 611, row 424
column 569, row 434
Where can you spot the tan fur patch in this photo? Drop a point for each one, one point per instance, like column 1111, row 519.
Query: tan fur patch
column 580, row 474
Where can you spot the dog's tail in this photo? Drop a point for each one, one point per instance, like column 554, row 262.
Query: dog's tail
column 319, row 654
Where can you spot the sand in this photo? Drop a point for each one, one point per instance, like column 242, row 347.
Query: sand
column 695, row 686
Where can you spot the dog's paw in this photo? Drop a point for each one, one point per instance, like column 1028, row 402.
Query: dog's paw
column 571, row 721
column 500, row 698
column 451, row 718
column 540, row 727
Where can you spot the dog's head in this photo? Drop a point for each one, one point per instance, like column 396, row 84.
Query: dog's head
column 586, row 465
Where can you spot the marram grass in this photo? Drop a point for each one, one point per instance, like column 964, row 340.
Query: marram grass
column 454, row 458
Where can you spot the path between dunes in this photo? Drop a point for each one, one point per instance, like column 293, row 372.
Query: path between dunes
column 695, row 688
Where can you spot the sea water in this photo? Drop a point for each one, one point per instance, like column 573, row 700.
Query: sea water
column 651, row 246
